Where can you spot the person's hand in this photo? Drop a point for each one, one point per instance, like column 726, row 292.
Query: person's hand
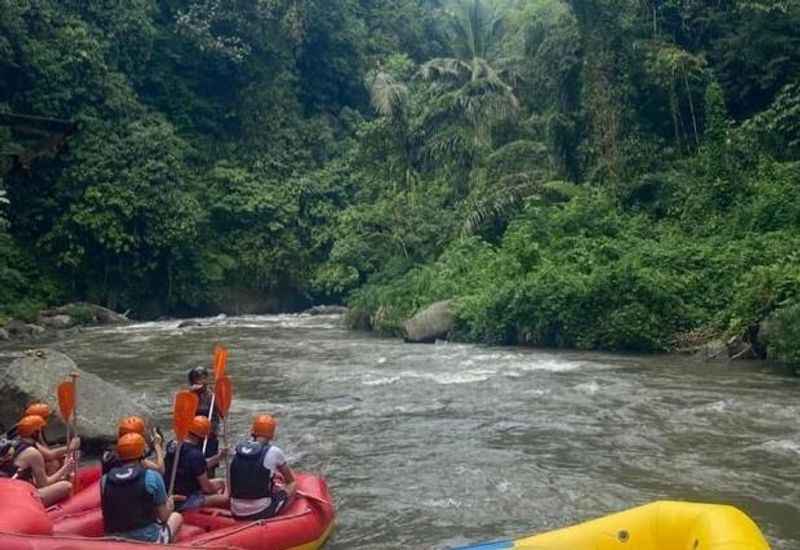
column 223, row 451
column 66, row 469
column 178, row 498
column 197, row 387
column 158, row 440
column 74, row 445
column 171, row 503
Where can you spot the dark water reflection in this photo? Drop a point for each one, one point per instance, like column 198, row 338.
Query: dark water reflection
column 432, row 446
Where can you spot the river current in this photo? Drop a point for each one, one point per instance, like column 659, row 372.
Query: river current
column 436, row 446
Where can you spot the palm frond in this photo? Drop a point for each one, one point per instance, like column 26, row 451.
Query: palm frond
column 509, row 193
column 387, row 95
column 445, row 68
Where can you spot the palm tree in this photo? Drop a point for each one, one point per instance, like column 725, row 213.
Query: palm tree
column 472, row 87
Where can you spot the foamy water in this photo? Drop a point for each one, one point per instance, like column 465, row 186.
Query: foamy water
column 435, row 446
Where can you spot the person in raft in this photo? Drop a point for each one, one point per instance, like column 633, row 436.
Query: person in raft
column 135, row 425
column 252, row 473
column 53, row 456
column 134, row 499
column 22, row 460
column 192, row 486
column 198, row 383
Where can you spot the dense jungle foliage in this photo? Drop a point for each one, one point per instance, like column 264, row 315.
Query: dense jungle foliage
column 610, row 174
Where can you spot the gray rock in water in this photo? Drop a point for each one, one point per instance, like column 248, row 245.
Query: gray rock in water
column 18, row 329
column 86, row 313
column 36, row 329
column 189, row 324
column 4, row 335
column 327, row 310
column 433, row 323
column 57, row 321
column 35, row 377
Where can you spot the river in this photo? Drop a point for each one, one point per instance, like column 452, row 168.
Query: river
column 435, row 446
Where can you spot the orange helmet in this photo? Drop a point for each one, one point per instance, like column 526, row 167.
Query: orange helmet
column 130, row 425
column 264, row 426
column 200, row 426
column 38, row 409
column 130, row 447
column 30, row 424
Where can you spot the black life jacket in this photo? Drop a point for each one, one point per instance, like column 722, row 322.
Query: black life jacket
column 125, row 501
column 249, row 478
column 185, row 483
column 8, row 469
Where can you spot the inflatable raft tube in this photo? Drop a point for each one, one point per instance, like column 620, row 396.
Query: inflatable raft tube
column 656, row 526
column 305, row 525
column 86, row 498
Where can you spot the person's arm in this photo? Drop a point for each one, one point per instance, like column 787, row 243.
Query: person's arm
column 206, row 485
column 35, row 462
column 163, row 511
column 158, row 447
column 213, row 461
column 155, row 486
column 50, row 454
column 288, row 477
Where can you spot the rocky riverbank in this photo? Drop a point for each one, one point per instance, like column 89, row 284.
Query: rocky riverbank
column 58, row 322
column 439, row 321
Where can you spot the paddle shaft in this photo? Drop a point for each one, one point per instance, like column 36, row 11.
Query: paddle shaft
column 225, row 456
column 210, row 419
column 74, row 377
column 175, row 468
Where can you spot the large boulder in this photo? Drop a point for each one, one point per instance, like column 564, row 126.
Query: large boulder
column 433, row 323
column 87, row 314
column 58, row 322
column 18, row 329
column 35, row 377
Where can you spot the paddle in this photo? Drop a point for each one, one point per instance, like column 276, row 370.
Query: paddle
column 66, row 407
column 75, row 456
column 66, row 403
column 220, row 362
column 223, row 391
column 182, row 415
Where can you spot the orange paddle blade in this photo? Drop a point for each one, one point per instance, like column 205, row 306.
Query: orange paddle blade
column 66, row 400
column 224, row 392
column 183, row 413
column 220, row 362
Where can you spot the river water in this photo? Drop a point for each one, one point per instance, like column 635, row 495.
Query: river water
column 436, row 446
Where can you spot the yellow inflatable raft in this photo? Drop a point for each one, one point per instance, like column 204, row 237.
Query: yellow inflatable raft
column 655, row 526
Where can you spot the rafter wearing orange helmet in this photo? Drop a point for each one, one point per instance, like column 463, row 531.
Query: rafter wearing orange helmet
column 29, row 462
column 254, row 496
column 134, row 499
column 192, row 479
column 134, row 425
column 38, row 409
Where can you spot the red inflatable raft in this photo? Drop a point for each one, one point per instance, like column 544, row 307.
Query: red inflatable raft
column 77, row 524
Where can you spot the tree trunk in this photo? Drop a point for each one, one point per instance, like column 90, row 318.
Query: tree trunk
column 691, row 108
